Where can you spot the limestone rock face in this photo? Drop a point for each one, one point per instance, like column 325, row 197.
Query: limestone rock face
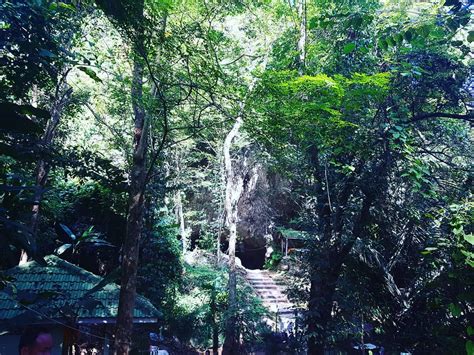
column 264, row 204
column 265, row 200
column 254, row 209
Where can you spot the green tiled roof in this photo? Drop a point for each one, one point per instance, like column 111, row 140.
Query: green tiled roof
column 59, row 291
column 289, row 233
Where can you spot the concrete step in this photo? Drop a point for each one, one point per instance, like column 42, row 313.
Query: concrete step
column 273, row 301
column 276, row 301
column 266, row 281
column 271, row 293
column 274, row 297
column 263, row 285
column 274, row 294
column 266, row 287
column 286, row 312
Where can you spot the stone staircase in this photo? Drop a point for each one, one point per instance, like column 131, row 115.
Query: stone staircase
column 273, row 298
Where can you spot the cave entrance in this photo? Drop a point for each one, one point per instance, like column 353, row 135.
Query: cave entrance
column 252, row 257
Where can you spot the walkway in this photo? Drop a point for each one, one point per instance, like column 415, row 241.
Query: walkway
column 273, row 297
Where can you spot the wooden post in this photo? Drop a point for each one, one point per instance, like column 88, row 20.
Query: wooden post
column 276, row 321
column 106, row 348
column 296, row 322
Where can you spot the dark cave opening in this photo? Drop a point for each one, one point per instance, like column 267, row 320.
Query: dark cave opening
column 251, row 257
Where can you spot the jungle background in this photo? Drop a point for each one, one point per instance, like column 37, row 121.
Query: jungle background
column 152, row 142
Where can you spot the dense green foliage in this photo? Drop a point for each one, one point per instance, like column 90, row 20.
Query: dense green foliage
column 362, row 111
column 368, row 140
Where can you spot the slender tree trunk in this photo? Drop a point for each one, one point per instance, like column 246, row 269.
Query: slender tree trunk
column 180, row 220
column 42, row 172
column 62, row 99
column 234, row 188
column 215, row 326
column 302, row 37
column 221, row 220
column 130, row 248
column 179, row 206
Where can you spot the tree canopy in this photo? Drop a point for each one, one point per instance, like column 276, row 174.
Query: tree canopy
column 155, row 143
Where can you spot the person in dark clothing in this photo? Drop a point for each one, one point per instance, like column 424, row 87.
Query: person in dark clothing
column 35, row 341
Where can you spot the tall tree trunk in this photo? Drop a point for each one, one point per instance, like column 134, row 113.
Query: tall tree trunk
column 130, row 248
column 234, row 188
column 61, row 100
column 302, row 36
column 222, row 210
column 322, row 288
column 179, row 206
column 324, row 277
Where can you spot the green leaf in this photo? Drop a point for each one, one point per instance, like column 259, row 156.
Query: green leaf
column 470, row 36
column 469, row 347
column 399, row 38
column 454, row 309
column 390, row 41
column 313, row 23
column 66, row 6
column 348, row 48
column 356, row 22
column 92, row 74
column 429, row 250
column 468, row 254
column 87, row 233
column 469, row 238
column 470, row 331
column 424, row 31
